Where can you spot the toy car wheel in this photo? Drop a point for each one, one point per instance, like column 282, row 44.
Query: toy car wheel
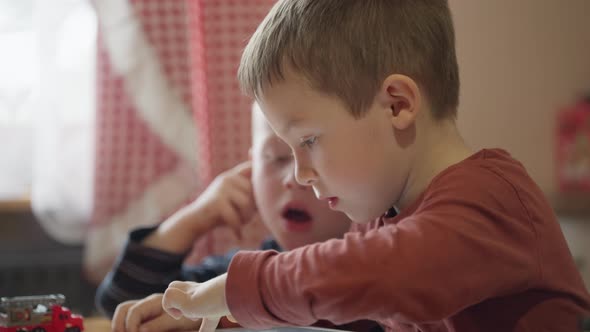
column 73, row 329
column 38, row 329
column 22, row 330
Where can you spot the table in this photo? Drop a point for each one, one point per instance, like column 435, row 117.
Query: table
column 97, row 324
column 100, row 324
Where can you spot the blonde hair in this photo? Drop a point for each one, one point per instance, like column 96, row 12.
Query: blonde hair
column 347, row 48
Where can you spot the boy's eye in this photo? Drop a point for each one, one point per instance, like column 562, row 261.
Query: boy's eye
column 282, row 159
column 308, row 142
column 277, row 158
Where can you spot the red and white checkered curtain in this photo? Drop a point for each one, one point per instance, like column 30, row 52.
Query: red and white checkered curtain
column 170, row 115
column 220, row 30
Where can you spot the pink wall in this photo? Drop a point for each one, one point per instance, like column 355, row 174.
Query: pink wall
column 520, row 61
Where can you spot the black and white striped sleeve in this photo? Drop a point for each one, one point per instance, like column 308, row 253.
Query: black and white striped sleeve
column 138, row 272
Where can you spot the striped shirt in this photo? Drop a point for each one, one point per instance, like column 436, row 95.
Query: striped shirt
column 140, row 271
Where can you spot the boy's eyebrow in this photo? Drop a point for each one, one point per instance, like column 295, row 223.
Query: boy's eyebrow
column 292, row 123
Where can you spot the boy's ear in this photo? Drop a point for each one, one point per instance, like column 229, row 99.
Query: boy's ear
column 401, row 95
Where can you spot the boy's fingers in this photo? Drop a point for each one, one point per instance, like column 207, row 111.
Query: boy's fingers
column 241, row 199
column 182, row 285
column 244, row 168
column 166, row 323
column 175, row 313
column 243, row 183
column 255, row 217
column 242, row 187
column 230, row 215
column 174, row 301
column 231, row 319
column 209, row 324
column 142, row 311
column 245, row 206
column 120, row 315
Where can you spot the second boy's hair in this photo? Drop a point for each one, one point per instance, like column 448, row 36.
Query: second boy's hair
column 346, row 48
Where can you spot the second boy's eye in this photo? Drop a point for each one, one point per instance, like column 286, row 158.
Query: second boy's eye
column 283, row 159
column 308, row 142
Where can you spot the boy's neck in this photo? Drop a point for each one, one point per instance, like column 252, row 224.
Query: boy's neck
column 441, row 146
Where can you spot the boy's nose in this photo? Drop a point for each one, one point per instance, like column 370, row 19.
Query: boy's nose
column 290, row 182
column 305, row 176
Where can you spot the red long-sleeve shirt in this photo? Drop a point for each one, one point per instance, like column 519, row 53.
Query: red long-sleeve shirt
column 479, row 250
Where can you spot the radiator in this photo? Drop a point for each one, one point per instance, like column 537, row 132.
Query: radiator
column 31, row 277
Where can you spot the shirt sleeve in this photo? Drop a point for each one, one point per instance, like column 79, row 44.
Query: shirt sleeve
column 141, row 271
column 469, row 239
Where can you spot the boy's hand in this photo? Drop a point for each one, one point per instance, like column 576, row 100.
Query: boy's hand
column 228, row 200
column 196, row 301
column 147, row 315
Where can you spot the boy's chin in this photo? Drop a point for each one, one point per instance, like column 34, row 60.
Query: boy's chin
column 358, row 219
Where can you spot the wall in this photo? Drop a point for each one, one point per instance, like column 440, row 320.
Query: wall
column 520, row 61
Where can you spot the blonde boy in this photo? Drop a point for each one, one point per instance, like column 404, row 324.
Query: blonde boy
column 154, row 256
column 366, row 93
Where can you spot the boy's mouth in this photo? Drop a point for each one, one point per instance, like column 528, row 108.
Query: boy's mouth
column 298, row 220
column 296, row 215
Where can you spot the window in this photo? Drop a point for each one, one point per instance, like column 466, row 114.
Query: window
column 46, row 94
column 19, row 75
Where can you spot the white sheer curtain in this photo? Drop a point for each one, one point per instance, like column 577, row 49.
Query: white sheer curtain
column 19, row 73
column 47, row 105
column 63, row 148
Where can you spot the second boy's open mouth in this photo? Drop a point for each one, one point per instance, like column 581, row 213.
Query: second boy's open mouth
column 297, row 219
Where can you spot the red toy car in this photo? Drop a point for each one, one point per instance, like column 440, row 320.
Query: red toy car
column 43, row 313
